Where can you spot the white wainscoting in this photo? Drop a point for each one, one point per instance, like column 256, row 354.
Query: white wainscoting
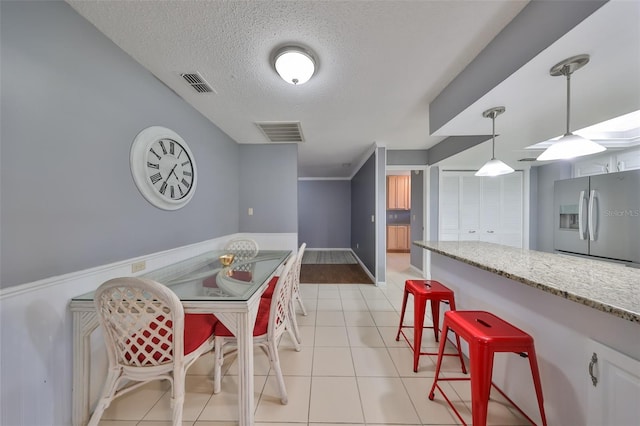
column 36, row 351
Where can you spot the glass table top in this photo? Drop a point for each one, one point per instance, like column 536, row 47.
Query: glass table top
column 204, row 278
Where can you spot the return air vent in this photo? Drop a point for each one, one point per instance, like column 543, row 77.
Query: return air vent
column 198, row 83
column 528, row 159
column 282, row 131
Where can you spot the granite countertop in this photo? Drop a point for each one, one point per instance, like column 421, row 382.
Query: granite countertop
column 606, row 286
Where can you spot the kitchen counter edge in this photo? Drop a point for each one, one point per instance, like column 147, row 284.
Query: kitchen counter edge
column 577, row 291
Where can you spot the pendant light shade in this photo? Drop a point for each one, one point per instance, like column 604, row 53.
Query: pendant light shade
column 294, row 64
column 570, row 145
column 494, row 167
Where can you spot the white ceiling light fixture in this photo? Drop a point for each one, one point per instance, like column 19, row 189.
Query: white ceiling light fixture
column 494, row 167
column 296, row 65
column 570, row 145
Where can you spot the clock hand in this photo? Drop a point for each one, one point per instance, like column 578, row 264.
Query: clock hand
column 172, row 171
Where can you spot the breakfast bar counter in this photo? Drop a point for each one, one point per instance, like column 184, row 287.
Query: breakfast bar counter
column 576, row 309
column 605, row 286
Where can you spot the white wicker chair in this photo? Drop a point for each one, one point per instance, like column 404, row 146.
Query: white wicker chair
column 296, row 294
column 271, row 322
column 148, row 337
column 243, row 248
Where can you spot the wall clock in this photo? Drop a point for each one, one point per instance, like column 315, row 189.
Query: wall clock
column 163, row 168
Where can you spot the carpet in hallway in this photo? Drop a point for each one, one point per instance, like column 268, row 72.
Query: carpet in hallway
column 333, row 274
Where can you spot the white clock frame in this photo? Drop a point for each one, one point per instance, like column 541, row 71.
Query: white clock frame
column 140, row 171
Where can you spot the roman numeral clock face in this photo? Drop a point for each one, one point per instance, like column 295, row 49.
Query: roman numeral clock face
column 163, row 168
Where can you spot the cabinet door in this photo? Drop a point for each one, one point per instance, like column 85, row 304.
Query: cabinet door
column 615, row 394
column 598, row 165
column 392, row 237
column 629, row 160
column 491, row 209
column 403, row 237
column 449, row 207
column 392, row 192
column 475, row 208
column 404, row 192
column 470, row 200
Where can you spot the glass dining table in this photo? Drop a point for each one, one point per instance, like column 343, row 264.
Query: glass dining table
column 203, row 285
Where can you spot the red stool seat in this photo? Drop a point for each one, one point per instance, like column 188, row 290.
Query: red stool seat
column 435, row 292
column 487, row 334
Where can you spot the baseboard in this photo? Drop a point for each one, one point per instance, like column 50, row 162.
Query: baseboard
column 366, row 270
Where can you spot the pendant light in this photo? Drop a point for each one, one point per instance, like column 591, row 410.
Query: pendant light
column 570, row 145
column 494, row 167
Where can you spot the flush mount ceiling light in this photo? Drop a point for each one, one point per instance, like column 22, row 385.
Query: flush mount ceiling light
column 494, row 167
column 294, row 64
column 570, row 145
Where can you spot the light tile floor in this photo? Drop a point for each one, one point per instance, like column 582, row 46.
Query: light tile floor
column 350, row 371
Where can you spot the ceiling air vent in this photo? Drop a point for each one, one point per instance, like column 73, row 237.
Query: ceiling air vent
column 198, row 83
column 528, row 159
column 282, row 131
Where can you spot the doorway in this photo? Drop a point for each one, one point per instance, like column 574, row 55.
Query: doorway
column 404, row 218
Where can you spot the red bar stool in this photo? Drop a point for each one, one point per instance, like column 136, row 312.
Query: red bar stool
column 422, row 291
column 486, row 335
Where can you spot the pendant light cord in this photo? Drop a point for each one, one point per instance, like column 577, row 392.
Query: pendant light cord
column 493, row 131
column 567, row 72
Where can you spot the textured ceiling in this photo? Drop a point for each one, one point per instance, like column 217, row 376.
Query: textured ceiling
column 380, row 65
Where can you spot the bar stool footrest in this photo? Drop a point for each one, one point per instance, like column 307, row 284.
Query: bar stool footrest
column 493, row 385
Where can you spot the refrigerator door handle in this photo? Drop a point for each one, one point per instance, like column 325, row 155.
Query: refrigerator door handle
column 581, row 225
column 593, row 218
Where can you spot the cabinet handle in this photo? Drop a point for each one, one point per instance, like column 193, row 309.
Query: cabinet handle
column 472, row 232
column 594, row 361
column 490, row 232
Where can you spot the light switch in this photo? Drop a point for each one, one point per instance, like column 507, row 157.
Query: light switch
column 250, row 212
column 373, row 218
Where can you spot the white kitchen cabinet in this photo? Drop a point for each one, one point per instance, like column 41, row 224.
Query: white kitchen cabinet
column 473, row 208
column 628, row 160
column 609, row 162
column 613, row 383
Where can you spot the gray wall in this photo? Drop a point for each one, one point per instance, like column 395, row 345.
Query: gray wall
column 547, row 175
column 324, row 213
column 363, row 206
column 407, row 157
column 269, row 185
column 434, row 191
column 72, row 103
column 533, row 208
column 380, row 183
column 417, row 216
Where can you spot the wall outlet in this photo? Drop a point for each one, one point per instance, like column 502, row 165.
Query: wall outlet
column 357, row 245
column 373, row 218
column 138, row 266
column 250, row 211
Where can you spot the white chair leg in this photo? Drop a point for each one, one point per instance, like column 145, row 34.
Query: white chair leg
column 294, row 325
column 218, row 360
column 109, row 389
column 294, row 339
column 275, row 364
column 177, row 399
column 299, row 299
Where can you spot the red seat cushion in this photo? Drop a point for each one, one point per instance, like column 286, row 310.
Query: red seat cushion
column 261, row 325
column 197, row 329
column 271, row 287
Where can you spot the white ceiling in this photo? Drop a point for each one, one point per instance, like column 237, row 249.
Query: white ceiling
column 380, row 65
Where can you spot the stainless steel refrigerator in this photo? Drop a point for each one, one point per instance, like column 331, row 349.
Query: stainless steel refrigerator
column 599, row 216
